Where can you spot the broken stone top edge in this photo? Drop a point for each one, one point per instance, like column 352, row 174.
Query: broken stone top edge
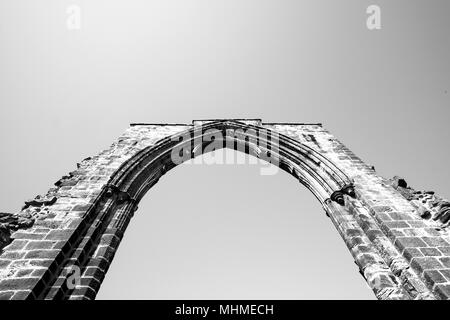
column 247, row 120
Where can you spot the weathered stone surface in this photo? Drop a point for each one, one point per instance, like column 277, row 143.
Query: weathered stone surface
column 397, row 236
column 12, row 222
column 428, row 204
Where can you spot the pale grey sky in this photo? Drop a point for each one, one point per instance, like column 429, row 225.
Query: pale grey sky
column 66, row 95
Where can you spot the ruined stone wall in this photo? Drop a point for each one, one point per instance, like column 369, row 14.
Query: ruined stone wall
column 31, row 260
column 397, row 220
column 397, row 236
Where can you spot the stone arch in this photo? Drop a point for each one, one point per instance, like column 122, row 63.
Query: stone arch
column 60, row 246
column 312, row 169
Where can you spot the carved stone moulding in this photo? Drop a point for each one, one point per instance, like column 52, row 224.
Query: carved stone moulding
column 338, row 196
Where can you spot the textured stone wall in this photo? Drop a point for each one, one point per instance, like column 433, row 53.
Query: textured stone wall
column 415, row 247
column 397, row 236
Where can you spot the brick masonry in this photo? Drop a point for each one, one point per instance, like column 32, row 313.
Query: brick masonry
column 398, row 236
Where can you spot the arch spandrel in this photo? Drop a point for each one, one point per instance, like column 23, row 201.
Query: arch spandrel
column 81, row 220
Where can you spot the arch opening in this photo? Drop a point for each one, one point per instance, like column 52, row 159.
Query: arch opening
column 254, row 243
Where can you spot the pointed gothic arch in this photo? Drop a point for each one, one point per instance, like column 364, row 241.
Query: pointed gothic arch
column 78, row 225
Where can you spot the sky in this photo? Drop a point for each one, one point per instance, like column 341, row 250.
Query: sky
column 66, row 94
